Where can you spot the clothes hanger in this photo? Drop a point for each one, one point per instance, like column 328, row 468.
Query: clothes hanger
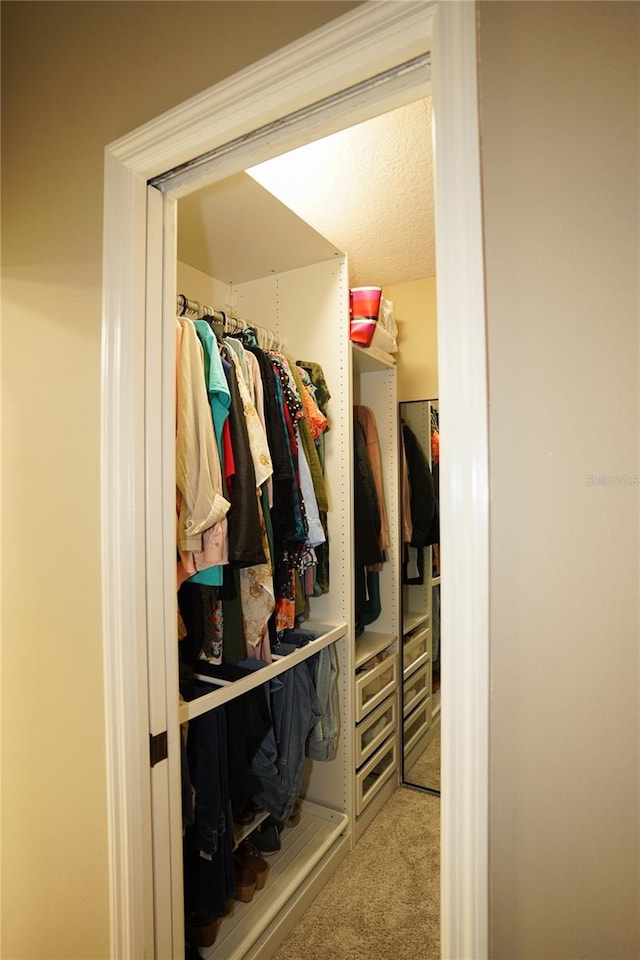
column 217, row 321
column 249, row 337
column 186, row 307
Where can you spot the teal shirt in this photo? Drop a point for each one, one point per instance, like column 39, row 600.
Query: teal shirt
column 219, row 396
column 211, row 576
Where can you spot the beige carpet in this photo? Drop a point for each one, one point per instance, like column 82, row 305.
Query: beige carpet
column 383, row 902
column 426, row 770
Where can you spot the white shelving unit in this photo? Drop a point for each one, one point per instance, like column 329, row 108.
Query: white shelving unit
column 312, row 850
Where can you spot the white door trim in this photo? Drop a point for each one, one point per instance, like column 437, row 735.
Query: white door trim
column 368, row 40
column 464, row 488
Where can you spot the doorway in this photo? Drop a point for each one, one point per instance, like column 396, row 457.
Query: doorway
column 221, row 124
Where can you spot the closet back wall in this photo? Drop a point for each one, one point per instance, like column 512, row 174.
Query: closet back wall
column 416, row 315
column 196, row 285
column 75, row 76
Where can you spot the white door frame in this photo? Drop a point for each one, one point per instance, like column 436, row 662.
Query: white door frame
column 365, row 42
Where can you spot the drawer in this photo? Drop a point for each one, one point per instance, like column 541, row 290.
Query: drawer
column 375, row 684
column 416, row 650
column 375, row 728
column 416, row 688
column 416, row 725
column 375, row 773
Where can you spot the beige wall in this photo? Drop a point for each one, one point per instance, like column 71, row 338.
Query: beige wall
column 559, row 94
column 415, row 312
column 75, row 76
column 199, row 286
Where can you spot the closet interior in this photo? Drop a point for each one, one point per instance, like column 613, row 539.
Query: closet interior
column 258, row 283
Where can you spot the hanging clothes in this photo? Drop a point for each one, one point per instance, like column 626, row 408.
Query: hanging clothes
column 217, row 388
column 423, row 505
column 323, row 739
column 279, row 762
column 316, row 534
column 257, row 596
column 435, row 470
column 367, row 525
column 321, row 396
column 297, row 554
column 257, row 392
column 367, row 421
column 251, row 509
column 405, row 495
column 245, row 541
column 264, row 429
column 201, row 506
column 371, row 607
column 209, row 880
column 309, row 447
column 198, row 606
column 207, row 566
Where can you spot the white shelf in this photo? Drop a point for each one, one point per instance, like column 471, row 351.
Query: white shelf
column 224, row 690
column 242, row 830
column 365, row 361
column 303, row 847
column 371, row 642
column 412, row 620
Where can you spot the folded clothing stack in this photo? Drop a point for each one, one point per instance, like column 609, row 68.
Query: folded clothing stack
column 386, row 331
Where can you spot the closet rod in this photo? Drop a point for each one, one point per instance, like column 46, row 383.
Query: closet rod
column 186, row 307
column 423, row 60
column 267, row 339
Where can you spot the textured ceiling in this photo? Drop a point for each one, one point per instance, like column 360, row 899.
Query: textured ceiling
column 368, row 190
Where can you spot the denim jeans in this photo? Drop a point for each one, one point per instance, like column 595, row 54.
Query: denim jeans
column 279, row 761
column 323, row 739
column 207, row 844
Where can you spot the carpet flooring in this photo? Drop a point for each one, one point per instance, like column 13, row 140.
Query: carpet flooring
column 383, row 902
column 425, row 772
